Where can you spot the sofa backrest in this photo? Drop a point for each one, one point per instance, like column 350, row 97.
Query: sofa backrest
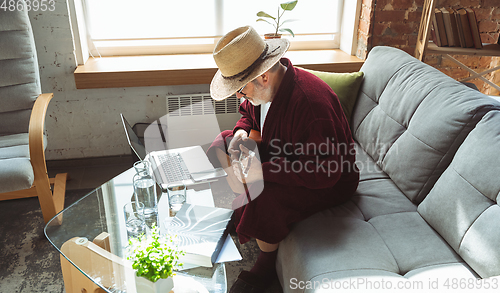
column 463, row 206
column 411, row 118
column 19, row 76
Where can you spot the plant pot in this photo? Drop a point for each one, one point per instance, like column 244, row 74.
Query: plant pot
column 144, row 285
column 272, row 36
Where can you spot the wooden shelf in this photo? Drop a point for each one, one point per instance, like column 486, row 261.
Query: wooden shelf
column 424, row 46
column 487, row 50
column 136, row 71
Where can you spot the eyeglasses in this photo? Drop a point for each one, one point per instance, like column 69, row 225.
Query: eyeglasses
column 241, row 90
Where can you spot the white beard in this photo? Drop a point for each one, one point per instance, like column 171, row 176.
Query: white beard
column 261, row 95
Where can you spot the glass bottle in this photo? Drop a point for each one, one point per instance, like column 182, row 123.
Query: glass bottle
column 145, row 188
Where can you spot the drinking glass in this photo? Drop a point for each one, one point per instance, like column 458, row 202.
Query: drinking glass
column 176, row 197
column 134, row 218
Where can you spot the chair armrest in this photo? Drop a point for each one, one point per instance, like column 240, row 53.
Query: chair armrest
column 36, row 128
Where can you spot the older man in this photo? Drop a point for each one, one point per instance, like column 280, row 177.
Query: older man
column 305, row 160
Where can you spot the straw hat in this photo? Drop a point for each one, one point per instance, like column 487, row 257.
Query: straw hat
column 242, row 55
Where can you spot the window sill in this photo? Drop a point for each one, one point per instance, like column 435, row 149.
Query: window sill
column 137, row 71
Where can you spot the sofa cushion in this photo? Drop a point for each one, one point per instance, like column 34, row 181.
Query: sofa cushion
column 463, row 205
column 411, row 118
column 382, row 281
column 368, row 168
column 325, row 243
column 380, row 197
column 412, row 242
column 345, row 85
column 334, row 244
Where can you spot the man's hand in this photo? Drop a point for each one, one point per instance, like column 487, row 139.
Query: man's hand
column 249, row 168
column 234, row 146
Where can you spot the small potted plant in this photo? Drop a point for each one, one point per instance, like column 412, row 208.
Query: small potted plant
column 287, row 6
column 154, row 259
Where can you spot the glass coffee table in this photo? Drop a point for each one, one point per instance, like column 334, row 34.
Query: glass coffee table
column 91, row 237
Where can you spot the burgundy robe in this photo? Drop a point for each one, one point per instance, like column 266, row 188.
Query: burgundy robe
column 307, row 157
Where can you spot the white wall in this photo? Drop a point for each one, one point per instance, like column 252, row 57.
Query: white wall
column 86, row 123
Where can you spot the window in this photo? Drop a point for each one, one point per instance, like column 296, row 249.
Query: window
column 126, row 27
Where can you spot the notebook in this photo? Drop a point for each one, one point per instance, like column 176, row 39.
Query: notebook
column 200, row 232
column 188, row 165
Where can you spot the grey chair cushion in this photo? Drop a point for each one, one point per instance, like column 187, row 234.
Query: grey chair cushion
column 16, row 172
column 463, row 205
column 410, row 118
column 19, row 77
column 19, row 88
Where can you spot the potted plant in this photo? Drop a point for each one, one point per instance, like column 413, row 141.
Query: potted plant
column 154, row 259
column 287, row 6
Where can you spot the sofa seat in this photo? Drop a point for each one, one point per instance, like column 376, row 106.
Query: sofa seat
column 16, row 172
column 332, row 247
column 379, row 233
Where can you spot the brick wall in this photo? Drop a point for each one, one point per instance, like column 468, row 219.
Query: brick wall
column 395, row 23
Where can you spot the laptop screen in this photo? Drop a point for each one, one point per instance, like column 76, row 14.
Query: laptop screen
column 133, row 140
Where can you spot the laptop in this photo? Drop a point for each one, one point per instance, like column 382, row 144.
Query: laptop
column 187, row 165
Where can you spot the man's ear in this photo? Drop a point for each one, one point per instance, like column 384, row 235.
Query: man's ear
column 265, row 76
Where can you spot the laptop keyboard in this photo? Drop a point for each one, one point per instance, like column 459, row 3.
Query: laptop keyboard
column 172, row 165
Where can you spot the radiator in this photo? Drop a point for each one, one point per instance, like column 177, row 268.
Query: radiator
column 196, row 119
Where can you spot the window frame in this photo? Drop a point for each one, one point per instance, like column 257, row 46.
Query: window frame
column 346, row 42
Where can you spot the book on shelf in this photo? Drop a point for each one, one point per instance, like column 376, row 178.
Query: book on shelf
column 460, row 31
column 454, row 26
column 448, row 26
column 434, row 38
column 476, row 37
column 200, row 232
column 465, row 27
column 439, row 28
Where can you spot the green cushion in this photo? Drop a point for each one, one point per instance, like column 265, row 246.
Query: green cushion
column 345, row 85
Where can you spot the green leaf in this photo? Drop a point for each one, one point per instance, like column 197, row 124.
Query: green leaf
column 287, row 30
column 261, row 19
column 263, row 14
column 288, row 20
column 289, row 5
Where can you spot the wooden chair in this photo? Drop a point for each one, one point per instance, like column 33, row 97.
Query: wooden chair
column 23, row 171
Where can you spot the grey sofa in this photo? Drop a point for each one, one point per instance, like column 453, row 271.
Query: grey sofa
column 426, row 214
